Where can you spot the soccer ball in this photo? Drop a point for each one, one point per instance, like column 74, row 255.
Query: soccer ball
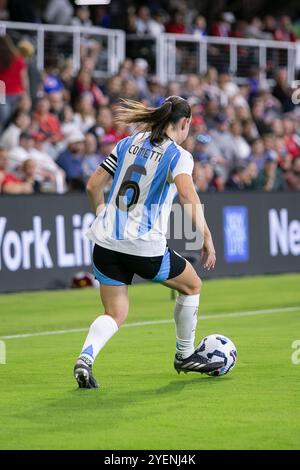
column 215, row 346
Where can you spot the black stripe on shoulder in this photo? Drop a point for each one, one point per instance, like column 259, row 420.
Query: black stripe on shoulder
column 107, row 168
column 115, row 159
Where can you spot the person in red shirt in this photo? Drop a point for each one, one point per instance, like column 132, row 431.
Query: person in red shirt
column 284, row 31
column 291, row 139
column 176, row 24
column 9, row 183
column 13, row 74
column 47, row 122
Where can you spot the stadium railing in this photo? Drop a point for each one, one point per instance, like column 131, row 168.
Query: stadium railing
column 54, row 42
column 172, row 56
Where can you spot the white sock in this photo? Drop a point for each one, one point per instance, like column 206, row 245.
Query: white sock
column 185, row 315
column 101, row 330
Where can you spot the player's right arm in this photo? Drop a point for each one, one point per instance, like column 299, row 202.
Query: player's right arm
column 95, row 188
column 99, row 180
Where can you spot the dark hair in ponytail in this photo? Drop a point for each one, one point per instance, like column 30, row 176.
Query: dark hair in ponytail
column 154, row 120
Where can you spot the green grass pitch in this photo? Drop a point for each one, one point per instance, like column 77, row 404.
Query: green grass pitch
column 142, row 402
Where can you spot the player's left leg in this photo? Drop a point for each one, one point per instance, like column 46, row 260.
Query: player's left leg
column 180, row 275
column 116, row 304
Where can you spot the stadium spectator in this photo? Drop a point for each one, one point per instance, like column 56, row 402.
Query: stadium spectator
column 254, row 30
column 292, row 177
column 282, row 91
column 269, row 26
column 259, row 117
column 199, row 27
column 13, row 73
column 32, row 146
column 237, row 177
column 58, row 12
column 27, row 51
column 222, row 27
column 91, row 159
column 68, row 121
column 107, row 144
column 29, row 175
column 85, row 83
column 46, row 121
column 85, row 116
column 243, row 149
column 10, row 183
column 200, row 152
column 258, row 153
column 24, row 104
column 20, row 122
column 104, row 122
column 284, row 30
column 225, row 144
column 270, row 178
column 4, row 15
column 82, row 16
column 203, row 176
column 71, row 160
column 234, row 125
column 176, row 24
column 154, row 93
column 291, row 138
column 21, row 152
column 143, row 23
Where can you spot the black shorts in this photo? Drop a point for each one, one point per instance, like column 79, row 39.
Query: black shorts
column 116, row 269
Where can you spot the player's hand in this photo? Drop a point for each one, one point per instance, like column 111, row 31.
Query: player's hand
column 208, row 255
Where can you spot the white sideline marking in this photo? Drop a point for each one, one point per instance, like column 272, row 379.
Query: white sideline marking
column 269, row 311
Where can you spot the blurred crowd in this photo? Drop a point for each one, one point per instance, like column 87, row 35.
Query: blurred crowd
column 57, row 127
column 172, row 16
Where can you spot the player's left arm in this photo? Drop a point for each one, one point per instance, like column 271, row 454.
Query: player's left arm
column 95, row 188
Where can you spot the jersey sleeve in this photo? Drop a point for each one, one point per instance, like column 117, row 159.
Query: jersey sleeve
column 110, row 163
column 184, row 164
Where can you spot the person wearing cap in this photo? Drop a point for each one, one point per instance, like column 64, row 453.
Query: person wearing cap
column 200, row 152
column 71, row 161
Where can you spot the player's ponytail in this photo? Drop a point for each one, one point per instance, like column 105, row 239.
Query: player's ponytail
column 154, row 120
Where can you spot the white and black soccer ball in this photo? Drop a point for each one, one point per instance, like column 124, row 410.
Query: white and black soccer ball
column 218, row 346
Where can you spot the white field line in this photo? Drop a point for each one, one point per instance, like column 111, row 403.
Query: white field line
column 269, row 311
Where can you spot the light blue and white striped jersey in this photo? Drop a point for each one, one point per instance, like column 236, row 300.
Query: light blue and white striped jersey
column 135, row 217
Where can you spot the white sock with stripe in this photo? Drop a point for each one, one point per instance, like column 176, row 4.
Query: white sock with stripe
column 185, row 316
column 101, row 330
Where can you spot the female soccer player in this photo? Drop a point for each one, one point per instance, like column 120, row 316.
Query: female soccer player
column 129, row 232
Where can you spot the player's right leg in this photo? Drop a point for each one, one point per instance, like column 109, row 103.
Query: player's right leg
column 188, row 284
column 114, row 282
column 116, row 304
